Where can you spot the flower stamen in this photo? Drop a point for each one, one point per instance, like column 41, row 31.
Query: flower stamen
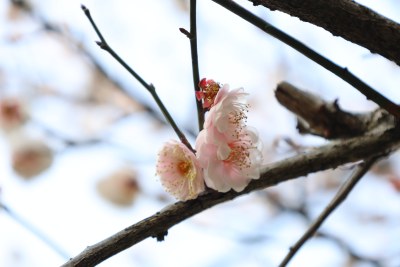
column 240, row 154
column 209, row 90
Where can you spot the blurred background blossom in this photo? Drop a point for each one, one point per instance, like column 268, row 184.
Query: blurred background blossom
column 86, row 134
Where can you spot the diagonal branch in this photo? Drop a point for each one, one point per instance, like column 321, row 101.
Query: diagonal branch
column 348, row 19
column 336, row 201
column 35, row 231
column 326, row 119
column 149, row 87
column 342, row 73
column 330, row 156
column 49, row 26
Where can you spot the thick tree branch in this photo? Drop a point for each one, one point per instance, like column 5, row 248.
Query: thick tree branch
column 343, row 73
column 347, row 19
column 326, row 119
column 322, row 158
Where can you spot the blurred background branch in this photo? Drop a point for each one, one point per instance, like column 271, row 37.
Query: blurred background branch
column 35, row 231
column 340, row 196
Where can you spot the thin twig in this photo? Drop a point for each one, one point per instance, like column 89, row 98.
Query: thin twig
column 322, row 158
column 340, row 196
column 150, row 87
column 195, row 61
column 34, row 231
column 301, row 210
column 192, row 36
column 343, row 73
column 54, row 28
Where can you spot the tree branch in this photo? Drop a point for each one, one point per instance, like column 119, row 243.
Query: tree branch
column 319, row 117
column 195, row 60
column 149, row 87
column 330, row 156
column 342, row 73
column 340, row 196
column 35, row 231
column 347, row 19
column 192, row 36
column 300, row 209
column 54, row 28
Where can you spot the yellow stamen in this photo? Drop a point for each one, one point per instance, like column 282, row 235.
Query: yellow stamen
column 211, row 91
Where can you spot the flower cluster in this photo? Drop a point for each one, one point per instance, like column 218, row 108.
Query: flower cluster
column 228, row 152
column 227, row 149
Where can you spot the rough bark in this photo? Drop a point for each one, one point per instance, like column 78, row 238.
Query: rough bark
column 347, row 19
column 326, row 119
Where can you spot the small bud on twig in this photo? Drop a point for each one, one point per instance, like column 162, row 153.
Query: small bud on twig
column 185, row 32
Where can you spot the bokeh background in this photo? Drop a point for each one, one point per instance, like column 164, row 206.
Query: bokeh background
column 77, row 162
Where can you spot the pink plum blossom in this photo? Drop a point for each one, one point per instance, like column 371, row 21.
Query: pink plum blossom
column 228, row 150
column 232, row 167
column 180, row 171
column 228, row 115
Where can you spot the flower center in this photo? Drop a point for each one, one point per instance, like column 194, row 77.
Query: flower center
column 239, row 155
column 211, row 91
column 186, row 169
column 183, row 168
